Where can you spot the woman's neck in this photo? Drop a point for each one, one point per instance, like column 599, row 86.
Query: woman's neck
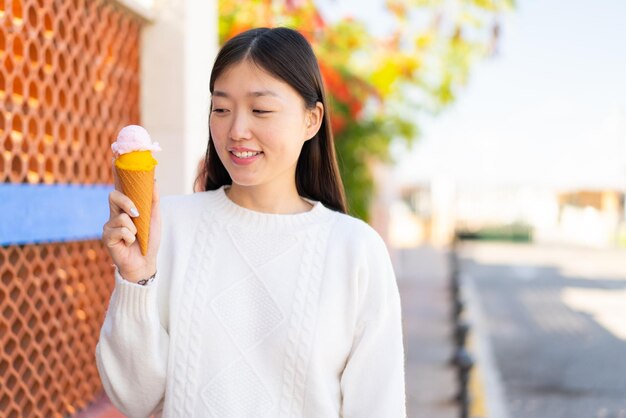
column 260, row 199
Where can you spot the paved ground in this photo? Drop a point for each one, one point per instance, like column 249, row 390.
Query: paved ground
column 423, row 279
column 556, row 318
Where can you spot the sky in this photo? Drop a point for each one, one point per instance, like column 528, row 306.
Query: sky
column 548, row 110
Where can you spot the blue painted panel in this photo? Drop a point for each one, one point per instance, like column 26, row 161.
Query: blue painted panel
column 50, row 213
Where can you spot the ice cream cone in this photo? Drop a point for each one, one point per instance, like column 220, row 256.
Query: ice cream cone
column 138, row 186
column 134, row 165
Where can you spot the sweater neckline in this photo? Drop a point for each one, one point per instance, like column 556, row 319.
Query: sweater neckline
column 252, row 218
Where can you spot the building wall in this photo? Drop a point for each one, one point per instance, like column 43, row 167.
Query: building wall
column 72, row 73
column 178, row 49
column 69, row 78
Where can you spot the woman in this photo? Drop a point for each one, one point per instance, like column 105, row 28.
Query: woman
column 265, row 298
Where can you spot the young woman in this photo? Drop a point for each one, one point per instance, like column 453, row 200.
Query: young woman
column 266, row 299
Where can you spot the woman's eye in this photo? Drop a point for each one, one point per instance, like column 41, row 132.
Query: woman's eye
column 219, row 110
column 261, row 112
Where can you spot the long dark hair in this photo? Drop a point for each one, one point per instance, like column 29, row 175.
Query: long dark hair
column 285, row 54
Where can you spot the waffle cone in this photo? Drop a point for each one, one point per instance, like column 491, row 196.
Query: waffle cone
column 138, row 186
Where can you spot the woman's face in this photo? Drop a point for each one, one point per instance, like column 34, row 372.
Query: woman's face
column 259, row 124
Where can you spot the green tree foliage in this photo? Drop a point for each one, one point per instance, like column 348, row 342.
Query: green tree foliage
column 380, row 85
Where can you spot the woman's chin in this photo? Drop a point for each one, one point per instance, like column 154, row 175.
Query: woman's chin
column 244, row 182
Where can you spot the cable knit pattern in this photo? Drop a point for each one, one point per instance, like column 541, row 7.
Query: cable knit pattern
column 239, row 382
column 302, row 324
column 257, row 315
column 187, row 348
column 247, row 312
column 253, row 245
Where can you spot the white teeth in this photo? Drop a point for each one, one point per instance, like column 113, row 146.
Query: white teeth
column 245, row 154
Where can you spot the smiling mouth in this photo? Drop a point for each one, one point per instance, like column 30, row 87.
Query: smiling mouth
column 246, row 154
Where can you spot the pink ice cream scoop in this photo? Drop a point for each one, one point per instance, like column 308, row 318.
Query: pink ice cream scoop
column 133, row 138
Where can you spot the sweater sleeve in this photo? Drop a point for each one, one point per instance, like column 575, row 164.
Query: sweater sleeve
column 372, row 382
column 131, row 353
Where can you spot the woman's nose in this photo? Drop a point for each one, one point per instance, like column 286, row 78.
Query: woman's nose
column 240, row 128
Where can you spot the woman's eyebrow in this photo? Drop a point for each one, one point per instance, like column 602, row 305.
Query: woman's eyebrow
column 262, row 93
column 259, row 93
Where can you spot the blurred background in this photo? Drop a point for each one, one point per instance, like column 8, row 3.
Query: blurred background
column 485, row 140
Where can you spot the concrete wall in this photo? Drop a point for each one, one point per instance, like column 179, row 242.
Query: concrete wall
column 179, row 44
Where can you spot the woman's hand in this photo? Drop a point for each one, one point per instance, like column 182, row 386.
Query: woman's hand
column 118, row 235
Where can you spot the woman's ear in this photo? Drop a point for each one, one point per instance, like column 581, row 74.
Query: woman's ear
column 314, row 120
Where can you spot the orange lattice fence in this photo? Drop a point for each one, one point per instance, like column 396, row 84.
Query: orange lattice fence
column 69, row 79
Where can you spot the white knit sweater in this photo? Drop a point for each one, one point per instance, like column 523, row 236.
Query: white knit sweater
column 257, row 315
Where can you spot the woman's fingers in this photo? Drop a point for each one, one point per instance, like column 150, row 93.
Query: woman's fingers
column 113, row 236
column 123, row 220
column 120, row 226
column 120, row 203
